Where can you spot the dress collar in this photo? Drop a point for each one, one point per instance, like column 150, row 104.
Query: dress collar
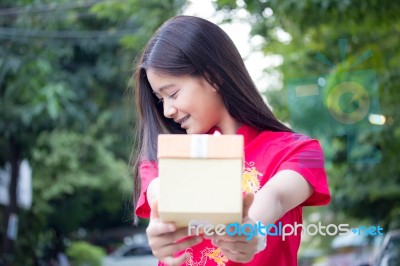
column 248, row 133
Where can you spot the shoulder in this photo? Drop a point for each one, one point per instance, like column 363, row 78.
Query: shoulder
column 280, row 145
column 289, row 139
column 279, row 140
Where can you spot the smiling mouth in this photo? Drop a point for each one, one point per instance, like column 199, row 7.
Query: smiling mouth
column 183, row 120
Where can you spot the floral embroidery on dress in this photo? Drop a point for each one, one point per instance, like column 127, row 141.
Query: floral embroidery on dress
column 250, row 181
column 214, row 254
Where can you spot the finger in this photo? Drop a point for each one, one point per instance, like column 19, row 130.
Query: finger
column 171, row 261
column 157, row 228
column 154, row 210
column 173, row 237
column 177, row 247
column 235, row 238
column 247, row 201
column 237, row 246
column 180, row 234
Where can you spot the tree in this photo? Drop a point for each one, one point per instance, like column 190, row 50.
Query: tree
column 64, row 73
column 327, row 43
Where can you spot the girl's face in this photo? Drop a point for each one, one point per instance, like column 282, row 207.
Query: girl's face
column 191, row 102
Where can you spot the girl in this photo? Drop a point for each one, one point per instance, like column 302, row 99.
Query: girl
column 191, row 79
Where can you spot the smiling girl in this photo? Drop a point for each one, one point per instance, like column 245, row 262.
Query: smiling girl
column 191, row 79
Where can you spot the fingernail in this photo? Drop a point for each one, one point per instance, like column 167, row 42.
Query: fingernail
column 171, row 227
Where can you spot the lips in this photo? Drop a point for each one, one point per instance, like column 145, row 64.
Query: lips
column 182, row 120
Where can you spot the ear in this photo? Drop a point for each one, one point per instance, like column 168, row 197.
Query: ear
column 213, row 83
column 214, row 87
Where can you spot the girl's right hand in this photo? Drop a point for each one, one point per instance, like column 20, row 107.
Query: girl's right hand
column 164, row 239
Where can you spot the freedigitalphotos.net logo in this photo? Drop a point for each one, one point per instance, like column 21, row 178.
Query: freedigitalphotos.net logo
column 342, row 103
column 280, row 230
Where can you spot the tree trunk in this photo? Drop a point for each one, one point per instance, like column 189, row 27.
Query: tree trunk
column 12, row 209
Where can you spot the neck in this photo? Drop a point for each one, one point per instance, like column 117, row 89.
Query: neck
column 229, row 125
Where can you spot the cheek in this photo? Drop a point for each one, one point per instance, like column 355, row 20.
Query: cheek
column 215, row 104
column 192, row 103
column 205, row 107
column 202, row 104
column 212, row 112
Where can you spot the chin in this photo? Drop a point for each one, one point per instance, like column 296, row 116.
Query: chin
column 190, row 132
column 194, row 131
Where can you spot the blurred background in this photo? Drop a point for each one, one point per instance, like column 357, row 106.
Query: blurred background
column 327, row 68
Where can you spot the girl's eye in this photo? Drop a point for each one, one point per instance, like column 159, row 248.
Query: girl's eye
column 173, row 95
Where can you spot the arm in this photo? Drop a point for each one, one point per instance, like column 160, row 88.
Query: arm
column 284, row 191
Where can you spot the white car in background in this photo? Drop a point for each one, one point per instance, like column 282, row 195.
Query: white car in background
column 390, row 252
column 135, row 252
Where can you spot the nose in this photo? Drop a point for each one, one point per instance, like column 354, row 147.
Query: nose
column 169, row 110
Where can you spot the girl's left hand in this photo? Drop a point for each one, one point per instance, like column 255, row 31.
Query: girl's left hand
column 236, row 248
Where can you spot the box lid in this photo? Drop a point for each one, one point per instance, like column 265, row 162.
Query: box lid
column 200, row 146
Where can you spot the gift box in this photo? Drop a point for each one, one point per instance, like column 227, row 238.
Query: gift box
column 200, row 179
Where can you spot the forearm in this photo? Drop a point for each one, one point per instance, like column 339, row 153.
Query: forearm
column 267, row 207
column 283, row 192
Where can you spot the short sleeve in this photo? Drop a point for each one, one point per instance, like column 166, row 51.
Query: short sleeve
column 305, row 156
column 148, row 171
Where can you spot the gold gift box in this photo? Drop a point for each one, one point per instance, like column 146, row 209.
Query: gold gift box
column 200, row 179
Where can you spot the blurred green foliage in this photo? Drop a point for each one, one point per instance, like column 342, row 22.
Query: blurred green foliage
column 65, row 105
column 307, row 35
column 83, row 254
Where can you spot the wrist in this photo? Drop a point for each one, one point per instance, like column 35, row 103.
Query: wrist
column 261, row 240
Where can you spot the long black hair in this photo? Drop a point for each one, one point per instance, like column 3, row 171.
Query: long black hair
column 187, row 45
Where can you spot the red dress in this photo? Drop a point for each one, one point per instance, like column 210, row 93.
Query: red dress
column 266, row 153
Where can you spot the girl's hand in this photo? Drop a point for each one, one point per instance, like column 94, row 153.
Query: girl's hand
column 164, row 239
column 236, row 248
